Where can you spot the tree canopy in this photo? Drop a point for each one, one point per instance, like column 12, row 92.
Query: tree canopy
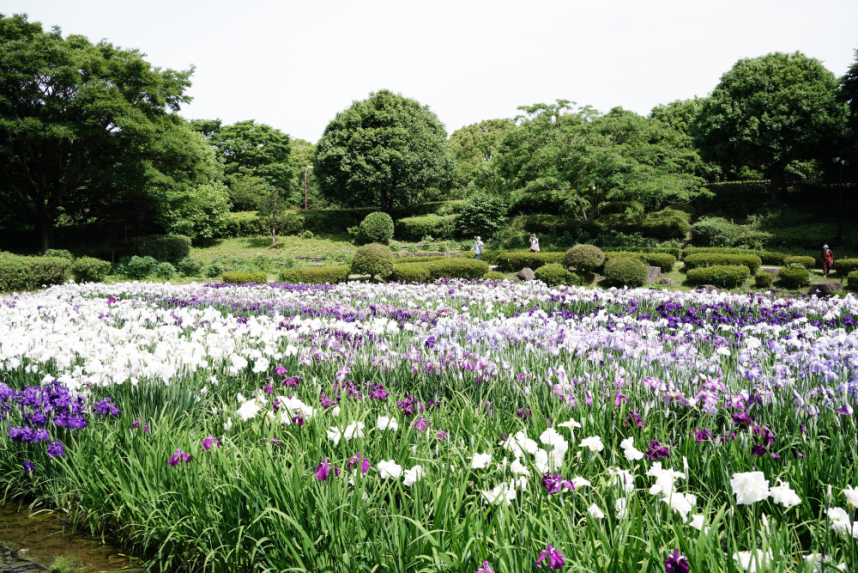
column 848, row 94
column 255, row 149
column 475, row 144
column 770, row 111
column 383, row 151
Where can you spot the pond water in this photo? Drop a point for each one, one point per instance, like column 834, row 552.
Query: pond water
column 44, row 536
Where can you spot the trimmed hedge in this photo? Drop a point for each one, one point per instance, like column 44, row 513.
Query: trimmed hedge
column 375, row 228
column 169, row 248
column 729, row 276
column 585, row 258
column 513, row 261
column 450, row 268
column 415, row 228
column 675, row 251
column 845, row 266
column 406, row 260
column 701, row 260
column 412, row 273
column 60, row 253
column 794, row 278
column 374, row 260
column 494, row 276
column 537, row 202
column 663, row 261
column 241, row 278
column 30, row 273
column 624, row 255
column 553, row 224
column 806, row 262
column 555, row 274
column 316, row 275
column 89, row 270
column 852, row 281
column 769, row 258
column 626, row 271
column 491, row 257
column 140, row 267
column 763, row 279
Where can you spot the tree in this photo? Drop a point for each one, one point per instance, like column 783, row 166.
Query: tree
column 383, row 151
column 483, row 214
column 303, row 153
column 475, row 144
column 848, row 94
column 770, row 111
column 81, row 123
column 255, row 193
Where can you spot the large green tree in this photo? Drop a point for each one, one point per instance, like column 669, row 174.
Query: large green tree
column 303, row 153
column 82, row 123
column 474, row 145
column 848, row 94
column 383, row 151
column 770, row 111
column 254, row 149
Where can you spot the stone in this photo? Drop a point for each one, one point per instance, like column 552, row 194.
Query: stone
column 771, row 270
column 653, row 274
column 667, row 281
column 824, row 290
column 708, row 288
column 526, row 274
column 778, row 293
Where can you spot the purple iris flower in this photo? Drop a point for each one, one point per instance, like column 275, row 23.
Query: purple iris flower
column 656, row 451
column 767, row 435
column 21, row 435
column 634, row 419
column 324, row 470
column 56, row 450
column 742, row 419
column 138, row 423
column 701, row 436
column 422, row 424
column 797, row 454
column 524, row 413
column 442, row 436
column 845, row 410
column 555, row 558
column 554, row 483
column 299, row 419
column 29, row 466
column 803, row 428
column 676, row 563
column 759, row 450
column 358, row 460
column 179, row 456
column 268, row 389
column 280, row 370
column 106, row 407
column 774, row 456
column 274, row 441
column 486, row 568
column 209, row 442
column 620, row 398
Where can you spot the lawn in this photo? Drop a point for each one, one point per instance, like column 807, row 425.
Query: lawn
column 336, row 246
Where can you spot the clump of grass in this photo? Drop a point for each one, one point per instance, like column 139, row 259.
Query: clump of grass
column 61, row 564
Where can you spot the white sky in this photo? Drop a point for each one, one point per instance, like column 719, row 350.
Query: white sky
column 294, row 65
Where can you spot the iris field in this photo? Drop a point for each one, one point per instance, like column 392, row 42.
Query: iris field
column 457, row 426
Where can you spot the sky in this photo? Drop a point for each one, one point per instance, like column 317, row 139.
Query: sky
column 295, row 64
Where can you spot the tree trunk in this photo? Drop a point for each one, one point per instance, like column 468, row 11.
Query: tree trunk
column 273, row 232
column 774, row 184
column 384, row 199
column 46, row 231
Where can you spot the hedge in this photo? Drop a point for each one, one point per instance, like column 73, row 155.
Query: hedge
column 450, row 268
column 663, row 261
column 415, row 228
column 60, row 253
column 316, row 275
column 806, row 262
column 664, row 224
column 625, row 271
column 514, row 261
column 730, row 276
column 585, row 258
column 539, row 202
column 491, row 257
column 241, row 278
column 494, row 276
column 852, row 281
column 89, row 270
column 763, row 279
column 553, row 224
column 767, row 257
column 845, row 266
column 752, row 262
column 406, row 260
column 675, row 251
column 412, row 273
column 30, row 273
column 794, row 278
column 169, row 248
column 555, row 274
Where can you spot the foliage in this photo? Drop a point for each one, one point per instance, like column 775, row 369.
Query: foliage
column 845, row 266
column 412, row 272
column 214, row 269
column 373, row 259
column 553, row 224
column 302, row 157
column 30, row 273
column 770, row 111
column 731, row 276
column 415, row 228
column 139, row 267
column 555, row 274
column 87, row 269
column 445, row 267
column 167, row 248
column 494, row 276
column 491, row 257
column 190, row 267
column 63, row 254
column 538, row 202
column 625, row 271
column 848, row 94
column 165, row 271
column 675, row 252
column 806, row 262
column 474, row 144
column 307, row 235
column 767, row 257
column 664, row 224
column 664, row 261
column 584, row 258
column 794, row 278
column 482, row 215
column 852, row 281
column 700, row 260
column 316, row 275
column 514, row 261
column 632, row 208
column 383, row 151
column 241, row 278
column 763, row 279
column 375, row 228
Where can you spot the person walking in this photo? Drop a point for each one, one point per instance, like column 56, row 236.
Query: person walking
column 478, row 248
column 534, row 243
column 827, row 257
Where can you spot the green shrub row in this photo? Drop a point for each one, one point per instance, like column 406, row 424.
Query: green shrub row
column 731, row 276
column 30, row 273
column 494, row 276
column 539, row 202
column 845, row 266
column 752, row 262
column 514, row 261
column 555, row 274
column 614, row 207
column 626, row 271
column 415, row 228
column 406, row 260
column 794, row 278
column 768, row 258
column 89, row 270
column 852, row 281
column 763, row 279
column 169, row 248
column 316, row 275
column 675, row 251
column 806, row 262
column 241, row 278
column 491, row 257
column 449, row 268
column 663, row 261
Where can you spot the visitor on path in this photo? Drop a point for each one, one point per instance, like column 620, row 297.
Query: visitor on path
column 534, row 243
column 478, row 248
column 827, row 259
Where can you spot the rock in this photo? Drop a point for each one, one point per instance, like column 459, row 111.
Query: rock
column 824, row 290
column 771, row 270
column 778, row 293
column 654, row 274
column 708, row 288
column 667, row 281
column 526, row 274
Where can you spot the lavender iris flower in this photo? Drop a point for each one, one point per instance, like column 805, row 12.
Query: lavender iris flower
column 29, row 466
column 56, row 450
column 676, row 563
column 358, row 460
column 486, row 568
column 442, row 436
column 324, row 470
column 422, row 424
column 759, row 450
column 179, row 456
column 656, row 451
column 555, row 558
column 554, row 483
column 209, row 442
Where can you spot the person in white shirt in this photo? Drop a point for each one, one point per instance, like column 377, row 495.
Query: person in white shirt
column 534, row 244
column 478, row 248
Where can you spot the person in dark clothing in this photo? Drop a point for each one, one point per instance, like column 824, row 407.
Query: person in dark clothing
column 827, row 260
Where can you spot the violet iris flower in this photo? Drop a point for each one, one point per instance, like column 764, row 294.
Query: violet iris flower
column 767, row 435
column 701, row 436
column 656, row 451
column 209, row 442
column 56, row 450
column 554, row 483
column 422, row 424
column 555, row 558
column 280, row 370
column 324, row 470
column 358, row 460
column 634, row 419
column 179, row 456
column 742, row 420
column 138, row 423
column 486, row 568
column 29, row 466
column 442, row 436
column 759, row 450
column 676, row 563
column 524, row 413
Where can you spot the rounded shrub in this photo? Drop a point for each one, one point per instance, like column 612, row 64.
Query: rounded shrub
column 723, row 276
column 498, row 276
column 89, row 270
column 852, row 281
column 189, row 267
column 663, row 261
column 626, row 272
column 241, row 278
column 375, row 228
column 701, row 260
column 794, row 278
column 169, row 248
column 374, row 260
column 585, row 258
column 763, row 279
column 316, row 275
column 61, row 253
column 555, row 274
column 806, row 262
column 140, row 267
column 214, row 270
column 845, row 266
column 307, row 235
column 165, row 271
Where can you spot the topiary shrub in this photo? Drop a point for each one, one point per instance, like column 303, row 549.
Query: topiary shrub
column 701, row 260
column 140, row 267
column 30, row 273
column 726, row 276
column 584, row 258
column 845, row 266
column 165, row 271
column 241, row 278
column 661, row 260
column 375, row 228
column 806, row 262
column 611, row 207
column 415, row 228
column 307, row 235
column 316, row 275
column 555, row 274
column 763, row 279
column 214, row 270
column 852, row 281
column 768, row 257
column 412, row 273
column 59, row 253
column 374, row 260
column 794, row 278
column 626, row 272
column 169, row 248
column 89, row 270
column 189, row 267
column 494, row 276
